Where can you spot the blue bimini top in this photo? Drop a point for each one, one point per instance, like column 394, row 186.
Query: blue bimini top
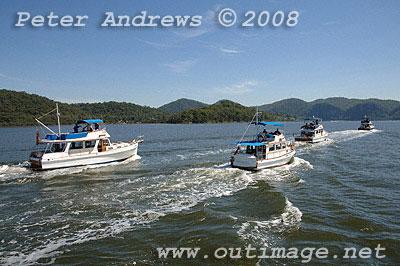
column 249, row 143
column 66, row 136
column 90, row 121
column 269, row 123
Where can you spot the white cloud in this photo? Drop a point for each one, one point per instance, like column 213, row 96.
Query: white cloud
column 230, row 51
column 4, row 76
column 207, row 25
column 190, row 32
column 211, row 15
column 241, row 88
column 180, row 66
column 160, row 44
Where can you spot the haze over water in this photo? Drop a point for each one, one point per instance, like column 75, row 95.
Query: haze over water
column 182, row 193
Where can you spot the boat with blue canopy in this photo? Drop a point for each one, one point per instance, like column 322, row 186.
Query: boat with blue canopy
column 312, row 131
column 267, row 149
column 87, row 144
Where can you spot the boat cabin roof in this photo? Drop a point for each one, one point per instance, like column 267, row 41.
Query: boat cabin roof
column 66, row 136
column 312, row 119
column 268, row 123
column 90, row 121
column 250, row 143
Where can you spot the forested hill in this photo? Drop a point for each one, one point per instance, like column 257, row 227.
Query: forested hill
column 180, row 105
column 21, row 108
column 223, row 111
column 337, row 108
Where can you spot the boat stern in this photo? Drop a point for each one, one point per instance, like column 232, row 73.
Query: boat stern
column 35, row 159
column 303, row 139
column 244, row 161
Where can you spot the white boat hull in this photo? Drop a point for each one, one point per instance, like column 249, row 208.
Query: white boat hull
column 366, row 128
column 250, row 162
column 79, row 159
column 315, row 139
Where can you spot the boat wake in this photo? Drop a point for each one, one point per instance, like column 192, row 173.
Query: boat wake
column 346, row 135
column 334, row 137
column 143, row 201
column 190, row 154
column 266, row 233
column 17, row 171
column 285, row 173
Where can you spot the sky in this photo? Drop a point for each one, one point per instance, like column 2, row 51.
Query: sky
column 338, row 48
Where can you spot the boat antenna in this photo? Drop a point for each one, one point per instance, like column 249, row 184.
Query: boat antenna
column 58, row 121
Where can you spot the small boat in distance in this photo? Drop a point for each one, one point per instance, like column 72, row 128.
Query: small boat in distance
column 88, row 144
column 366, row 124
column 312, row 131
column 266, row 150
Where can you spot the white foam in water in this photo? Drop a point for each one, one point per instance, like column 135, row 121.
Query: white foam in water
column 3, row 168
column 190, row 154
column 285, row 172
column 347, row 135
column 335, row 137
column 145, row 201
column 304, row 146
column 11, row 172
column 261, row 232
column 50, row 247
column 162, row 194
column 298, row 162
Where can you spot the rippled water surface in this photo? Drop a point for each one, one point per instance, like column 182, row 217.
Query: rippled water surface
column 181, row 192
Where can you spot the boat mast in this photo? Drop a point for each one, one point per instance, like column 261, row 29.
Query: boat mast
column 37, row 120
column 257, row 115
column 58, row 121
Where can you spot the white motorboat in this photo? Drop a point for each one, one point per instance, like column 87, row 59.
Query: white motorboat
column 366, row 124
column 268, row 149
column 312, row 131
column 88, row 144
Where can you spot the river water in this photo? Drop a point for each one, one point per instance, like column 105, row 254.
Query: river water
column 181, row 192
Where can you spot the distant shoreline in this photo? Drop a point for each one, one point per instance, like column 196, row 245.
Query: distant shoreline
column 19, row 109
column 220, row 123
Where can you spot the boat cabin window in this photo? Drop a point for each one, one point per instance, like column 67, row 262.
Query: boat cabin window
column 90, row 144
column 283, row 145
column 76, row 145
column 260, row 149
column 250, row 150
column 278, row 146
column 261, row 152
column 271, row 148
column 57, row 147
column 309, row 134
